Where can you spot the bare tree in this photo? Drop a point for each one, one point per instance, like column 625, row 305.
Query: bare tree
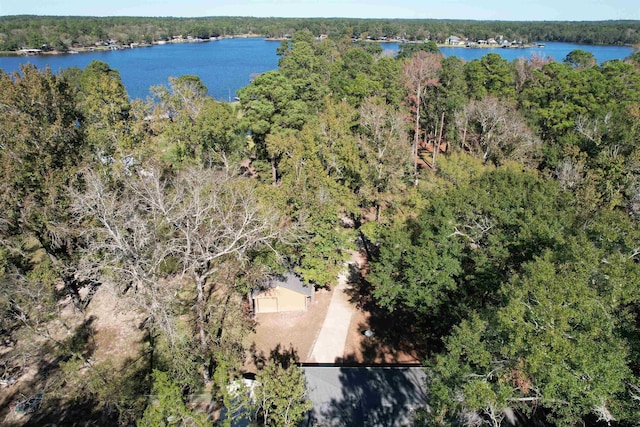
column 524, row 69
column 185, row 95
column 569, row 173
column 602, row 412
column 594, row 130
column 384, row 143
column 496, row 130
column 420, row 71
column 158, row 234
column 28, row 302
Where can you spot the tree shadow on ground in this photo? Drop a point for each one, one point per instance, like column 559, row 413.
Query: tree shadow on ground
column 48, row 393
column 29, row 402
column 388, row 336
column 284, row 357
column 365, row 396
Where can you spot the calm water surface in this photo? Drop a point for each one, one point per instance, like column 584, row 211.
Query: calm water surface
column 555, row 51
column 226, row 65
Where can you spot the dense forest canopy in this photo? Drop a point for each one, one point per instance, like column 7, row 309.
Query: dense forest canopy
column 497, row 202
column 60, row 32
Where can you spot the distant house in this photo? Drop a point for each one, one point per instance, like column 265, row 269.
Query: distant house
column 454, row 40
column 364, row 396
column 30, row 52
column 284, row 293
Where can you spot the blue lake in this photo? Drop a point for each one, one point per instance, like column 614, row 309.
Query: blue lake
column 226, row 65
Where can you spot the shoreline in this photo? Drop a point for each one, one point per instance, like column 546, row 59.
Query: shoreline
column 107, row 48
column 178, row 40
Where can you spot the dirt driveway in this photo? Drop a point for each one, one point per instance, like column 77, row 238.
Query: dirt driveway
column 296, row 333
column 291, row 332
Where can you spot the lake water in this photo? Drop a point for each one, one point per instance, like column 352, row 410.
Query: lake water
column 556, row 51
column 223, row 65
column 226, row 65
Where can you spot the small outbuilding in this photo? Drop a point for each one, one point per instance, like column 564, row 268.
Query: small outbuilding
column 284, row 292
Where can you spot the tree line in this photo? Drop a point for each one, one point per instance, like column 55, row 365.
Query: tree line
column 65, row 32
column 497, row 203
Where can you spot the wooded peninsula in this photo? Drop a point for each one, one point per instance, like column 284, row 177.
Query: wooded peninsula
column 497, row 205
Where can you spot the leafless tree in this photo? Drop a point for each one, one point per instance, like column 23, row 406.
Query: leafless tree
column 634, row 198
column 157, row 233
column 569, row 173
column 602, row 412
column 27, row 303
column 184, row 95
column 496, row 130
column 593, row 130
column 420, row 71
column 384, row 143
column 524, row 69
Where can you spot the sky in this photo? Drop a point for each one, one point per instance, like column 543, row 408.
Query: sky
column 517, row 10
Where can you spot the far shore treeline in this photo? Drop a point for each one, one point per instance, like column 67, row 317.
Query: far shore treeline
column 65, row 32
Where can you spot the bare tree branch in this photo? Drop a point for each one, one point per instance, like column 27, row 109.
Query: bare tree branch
column 156, row 233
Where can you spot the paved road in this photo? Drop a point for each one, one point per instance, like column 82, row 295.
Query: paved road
column 331, row 340
column 365, row 396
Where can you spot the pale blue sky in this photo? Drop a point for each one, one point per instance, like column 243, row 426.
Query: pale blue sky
column 522, row 10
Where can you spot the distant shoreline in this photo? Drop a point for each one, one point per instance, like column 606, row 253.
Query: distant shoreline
column 179, row 40
column 112, row 47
